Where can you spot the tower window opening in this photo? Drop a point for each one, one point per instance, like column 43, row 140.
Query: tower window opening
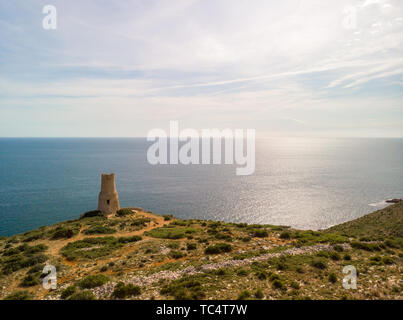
column 107, row 201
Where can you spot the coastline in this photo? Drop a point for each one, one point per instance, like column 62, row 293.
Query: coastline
column 160, row 254
column 313, row 187
column 377, row 206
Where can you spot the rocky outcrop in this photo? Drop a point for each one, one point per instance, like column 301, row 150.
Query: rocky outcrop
column 393, row 200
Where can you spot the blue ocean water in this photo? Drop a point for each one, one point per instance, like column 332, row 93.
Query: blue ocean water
column 306, row 183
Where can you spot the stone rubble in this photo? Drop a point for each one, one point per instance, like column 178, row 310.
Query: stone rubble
column 105, row 291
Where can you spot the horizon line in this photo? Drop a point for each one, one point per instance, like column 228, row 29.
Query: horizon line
column 261, row 137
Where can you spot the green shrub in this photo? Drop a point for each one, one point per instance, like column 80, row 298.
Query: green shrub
column 259, row 233
column 82, row 295
column 35, row 249
column 366, row 246
column 218, row 248
column 332, row 277
column 168, row 217
column 319, row 264
column 171, row 232
column 338, row 248
column 273, row 277
column 129, row 239
column 93, row 281
column 285, row 235
column 181, row 223
column 246, row 239
column 335, row 256
column 223, row 236
column 70, row 290
column 262, row 275
column 34, row 235
column 387, row 260
column 278, row 284
column 124, row 212
column 295, row 285
column 221, row 272
column 241, row 225
column 184, row 289
column 173, row 245
column 282, row 266
column 176, row 254
column 20, row 261
column 19, row 295
column 26, row 249
column 377, row 260
column 212, row 231
column 312, row 237
column 392, row 243
column 259, row 294
column 248, row 254
column 347, row 257
column 244, row 295
column 123, row 291
column 99, row 229
column 94, row 247
column 32, row 260
column 191, row 246
column 242, row 272
column 140, row 222
column 93, row 213
column 63, row 233
column 278, row 228
column 36, row 269
column 11, row 252
column 30, row 280
column 323, row 254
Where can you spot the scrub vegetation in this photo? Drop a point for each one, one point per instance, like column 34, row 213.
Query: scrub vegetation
column 136, row 254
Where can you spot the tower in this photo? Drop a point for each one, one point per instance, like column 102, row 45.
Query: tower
column 108, row 200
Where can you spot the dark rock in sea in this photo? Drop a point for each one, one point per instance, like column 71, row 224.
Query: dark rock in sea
column 393, row 200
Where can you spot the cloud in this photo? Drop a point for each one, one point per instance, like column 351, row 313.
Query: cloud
column 205, row 62
column 370, row 73
column 375, row 76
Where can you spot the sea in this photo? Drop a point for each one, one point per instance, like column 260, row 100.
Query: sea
column 306, row 183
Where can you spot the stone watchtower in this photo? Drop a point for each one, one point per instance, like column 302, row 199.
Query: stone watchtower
column 108, row 200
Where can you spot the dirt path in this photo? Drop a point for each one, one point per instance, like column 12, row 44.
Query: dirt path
column 56, row 245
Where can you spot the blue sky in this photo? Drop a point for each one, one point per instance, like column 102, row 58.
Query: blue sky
column 122, row 68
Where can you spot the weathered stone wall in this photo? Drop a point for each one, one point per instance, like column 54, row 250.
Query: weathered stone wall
column 108, row 200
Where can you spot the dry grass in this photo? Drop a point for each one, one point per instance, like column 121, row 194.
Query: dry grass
column 290, row 277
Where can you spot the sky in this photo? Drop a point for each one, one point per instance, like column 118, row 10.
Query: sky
column 122, row 68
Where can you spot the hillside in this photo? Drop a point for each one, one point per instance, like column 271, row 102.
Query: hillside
column 383, row 223
column 140, row 255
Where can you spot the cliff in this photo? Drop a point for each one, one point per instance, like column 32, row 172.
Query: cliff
column 136, row 254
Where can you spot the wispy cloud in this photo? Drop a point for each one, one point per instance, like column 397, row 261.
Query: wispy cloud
column 217, row 63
